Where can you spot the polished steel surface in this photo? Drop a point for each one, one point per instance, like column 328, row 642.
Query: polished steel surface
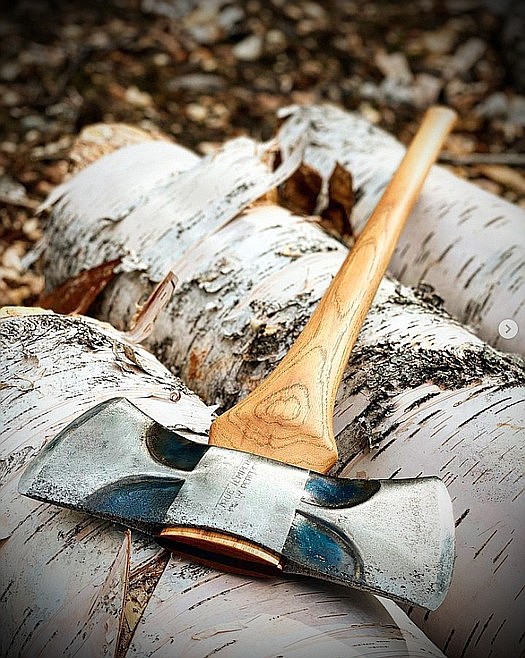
column 392, row 537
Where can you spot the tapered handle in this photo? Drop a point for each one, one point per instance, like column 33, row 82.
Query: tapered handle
column 288, row 417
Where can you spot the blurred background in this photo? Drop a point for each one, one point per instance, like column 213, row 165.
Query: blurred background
column 203, row 72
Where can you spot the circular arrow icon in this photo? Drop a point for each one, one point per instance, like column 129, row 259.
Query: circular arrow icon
column 508, row 329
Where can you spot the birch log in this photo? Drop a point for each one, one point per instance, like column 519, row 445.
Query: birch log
column 421, row 393
column 466, row 243
column 74, row 586
column 64, row 576
column 230, row 616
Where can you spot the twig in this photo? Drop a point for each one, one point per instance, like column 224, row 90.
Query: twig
column 509, row 159
column 29, row 204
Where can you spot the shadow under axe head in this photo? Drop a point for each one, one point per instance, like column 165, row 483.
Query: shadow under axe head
column 391, row 537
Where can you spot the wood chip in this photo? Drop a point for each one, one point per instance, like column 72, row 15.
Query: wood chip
column 504, row 175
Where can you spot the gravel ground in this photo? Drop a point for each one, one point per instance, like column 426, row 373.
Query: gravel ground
column 206, row 71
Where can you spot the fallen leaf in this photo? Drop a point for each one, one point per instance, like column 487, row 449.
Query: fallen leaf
column 78, row 293
column 303, row 193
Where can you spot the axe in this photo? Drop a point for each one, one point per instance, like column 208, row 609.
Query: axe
column 255, row 499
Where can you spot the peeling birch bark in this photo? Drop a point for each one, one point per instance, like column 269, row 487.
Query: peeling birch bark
column 64, row 575
column 138, row 224
column 416, row 378
column 465, row 242
column 481, row 461
column 62, row 584
column 41, row 393
column 229, row 615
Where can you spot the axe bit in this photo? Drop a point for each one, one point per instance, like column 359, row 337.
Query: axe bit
column 248, row 502
column 392, row 537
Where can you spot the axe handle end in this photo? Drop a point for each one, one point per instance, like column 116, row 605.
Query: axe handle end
column 219, row 550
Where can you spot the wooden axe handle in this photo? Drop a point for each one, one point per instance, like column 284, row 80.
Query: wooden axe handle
column 288, row 417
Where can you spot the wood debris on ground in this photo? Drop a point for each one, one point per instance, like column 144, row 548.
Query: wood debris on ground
column 204, row 72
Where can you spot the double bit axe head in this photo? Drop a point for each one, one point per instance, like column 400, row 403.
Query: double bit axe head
column 390, row 537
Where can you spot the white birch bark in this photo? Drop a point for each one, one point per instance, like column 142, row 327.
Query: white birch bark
column 416, row 380
column 131, row 219
column 62, row 583
column 64, row 575
column 213, row 613
column 465, row 242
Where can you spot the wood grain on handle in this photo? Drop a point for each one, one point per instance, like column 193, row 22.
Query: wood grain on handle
column 288, row 417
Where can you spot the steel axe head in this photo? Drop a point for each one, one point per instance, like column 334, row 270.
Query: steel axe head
column 391, row 537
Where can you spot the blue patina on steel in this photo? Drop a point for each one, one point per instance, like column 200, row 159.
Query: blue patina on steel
column 338, row 492
column 143, row 501
column 172, row 449
column 392, row 537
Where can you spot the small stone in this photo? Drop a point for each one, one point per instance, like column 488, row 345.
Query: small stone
column 292, row 11
column 275, row 41
column 32, row 135
column 229, row 17
column 440, row 42
column 496, row 105
column 394, row 66
column 196, row 82
column 10, row 71
column 8, row 147
column 44, row 187
column 207, row 33
column 370, row 113
column 196, row 112
column 425, row 90
column 466, row 56
column 99, row 40
column 249, row 49
column 314, row 10
column 306, row 26
column 11, row 189
column 32, row 229
column 32, row 121
column 11, row 257
column 11, row 98
column 161, row 59
column 138, row 98
column 395, row 93
column 72, row 31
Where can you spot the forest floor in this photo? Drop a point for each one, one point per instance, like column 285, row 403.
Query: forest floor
column 206, row 71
